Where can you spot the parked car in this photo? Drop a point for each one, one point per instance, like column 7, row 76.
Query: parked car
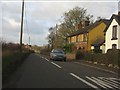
column 57, row 54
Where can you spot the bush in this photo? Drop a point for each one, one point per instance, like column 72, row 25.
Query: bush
column 88, row 56
column 97, row 51
column 111, row 57
column 79, row 54
column 69, row 48
column 11, row 62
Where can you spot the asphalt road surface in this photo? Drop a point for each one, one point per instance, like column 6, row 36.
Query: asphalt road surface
column 39, row 72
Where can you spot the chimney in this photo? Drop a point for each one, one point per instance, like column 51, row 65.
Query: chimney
column 78, row 26
column 85, row 23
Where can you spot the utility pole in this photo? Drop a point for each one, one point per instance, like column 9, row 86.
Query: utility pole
column 21, row 33
column 29, row 40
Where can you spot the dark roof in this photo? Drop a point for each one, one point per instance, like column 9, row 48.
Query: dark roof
column 116, row 17
column 88, row 28
column 98, row 42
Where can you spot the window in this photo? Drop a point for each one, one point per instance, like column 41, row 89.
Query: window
column 114, row 32
column 80, row 38
column 114, row 46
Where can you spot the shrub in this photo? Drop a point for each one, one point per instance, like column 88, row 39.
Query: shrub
column 79, row 54
column 88, row 56
column 69, row 48
column 97, row 51
column 113, row 56
column 12, row 57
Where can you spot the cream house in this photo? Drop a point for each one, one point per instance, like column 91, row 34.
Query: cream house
column 112, row 33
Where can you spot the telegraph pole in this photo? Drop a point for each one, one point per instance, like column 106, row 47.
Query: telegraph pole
column 29, row 40
column 21, row 33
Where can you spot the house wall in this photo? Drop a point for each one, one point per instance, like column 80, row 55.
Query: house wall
column 80, row 43
column 83, row 45
column 102, row 47
column 108, row 37
column 119, row 37
column 96, row 33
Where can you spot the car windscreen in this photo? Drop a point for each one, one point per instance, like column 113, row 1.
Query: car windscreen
column 58, row 51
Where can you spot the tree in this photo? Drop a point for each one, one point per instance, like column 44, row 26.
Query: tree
column 51, row 37
column 70, row 20
column 99, row 18
column 75, row 16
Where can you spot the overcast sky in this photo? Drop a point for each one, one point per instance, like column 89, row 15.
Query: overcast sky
column 41, row 15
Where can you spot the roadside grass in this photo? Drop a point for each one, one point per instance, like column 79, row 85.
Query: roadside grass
column 11, row 60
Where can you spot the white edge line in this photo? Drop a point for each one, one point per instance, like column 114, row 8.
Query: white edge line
column 97, row 68
column 56, row 65
column 93, row 86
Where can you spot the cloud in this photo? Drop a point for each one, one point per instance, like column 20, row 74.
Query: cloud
column 40, row 16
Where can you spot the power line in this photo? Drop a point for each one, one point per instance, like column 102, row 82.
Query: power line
column 27, row 28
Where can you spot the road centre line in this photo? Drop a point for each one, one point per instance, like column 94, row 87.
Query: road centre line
column 93, row 86
column 97, row 68
column 56, row 65
column 46, row 59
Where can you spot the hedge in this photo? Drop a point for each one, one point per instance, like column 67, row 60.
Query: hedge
column 111, row 57
column 11, row 62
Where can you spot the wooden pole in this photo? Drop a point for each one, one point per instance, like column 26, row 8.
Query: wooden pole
column 21, row 33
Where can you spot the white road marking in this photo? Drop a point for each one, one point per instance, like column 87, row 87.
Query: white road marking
column 109, row 82
column 95, row 82
column 93, row 86
column 46, row 59
column 114, row 81
column 56, row 65
column 97, row 68
column 103, row 83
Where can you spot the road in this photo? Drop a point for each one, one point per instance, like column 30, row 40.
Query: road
column 39, row 72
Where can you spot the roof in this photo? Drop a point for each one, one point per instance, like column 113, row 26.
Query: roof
column 116, row 17
column 88, row 28
column 98, row 42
